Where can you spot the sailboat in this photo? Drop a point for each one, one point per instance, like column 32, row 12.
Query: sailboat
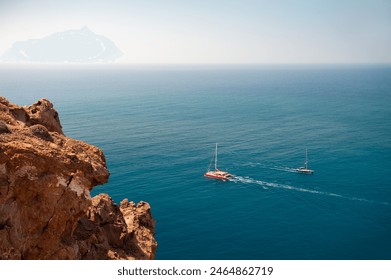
column 305, row 169
column 216, row 173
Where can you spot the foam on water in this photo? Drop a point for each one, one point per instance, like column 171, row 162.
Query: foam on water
column 265, row 185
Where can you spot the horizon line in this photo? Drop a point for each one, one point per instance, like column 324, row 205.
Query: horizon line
column 188, row 64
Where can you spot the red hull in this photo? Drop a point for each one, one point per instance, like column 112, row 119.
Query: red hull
column 216, row 177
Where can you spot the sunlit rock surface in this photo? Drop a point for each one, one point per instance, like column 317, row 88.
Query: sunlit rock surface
column 46, row 211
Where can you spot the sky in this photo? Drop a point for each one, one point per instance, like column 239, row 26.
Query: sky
column 214, row 31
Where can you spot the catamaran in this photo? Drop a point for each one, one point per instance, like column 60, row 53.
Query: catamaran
column 216, row 173
column 305, row 169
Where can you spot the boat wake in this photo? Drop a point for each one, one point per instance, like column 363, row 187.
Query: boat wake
column 266, row 185
column 286, row 169
column 276, row 167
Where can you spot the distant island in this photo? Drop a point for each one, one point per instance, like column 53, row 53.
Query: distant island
column 71, row 46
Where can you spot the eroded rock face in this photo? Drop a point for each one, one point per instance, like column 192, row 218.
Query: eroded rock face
column 46, row 211
column 127, row 230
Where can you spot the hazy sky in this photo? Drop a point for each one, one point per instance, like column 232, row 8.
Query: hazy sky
column 215, row 31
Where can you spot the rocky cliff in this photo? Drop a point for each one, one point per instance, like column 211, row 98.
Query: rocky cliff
column 46, row 211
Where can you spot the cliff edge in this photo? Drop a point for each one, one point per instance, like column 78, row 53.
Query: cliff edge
column 46, row 211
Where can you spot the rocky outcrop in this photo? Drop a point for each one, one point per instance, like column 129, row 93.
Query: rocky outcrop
column 46, row 211
column 127, row 230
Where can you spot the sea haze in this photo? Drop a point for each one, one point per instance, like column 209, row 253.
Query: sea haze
column 158, row 127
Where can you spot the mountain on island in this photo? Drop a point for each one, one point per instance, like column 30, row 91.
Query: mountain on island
column 71, row 46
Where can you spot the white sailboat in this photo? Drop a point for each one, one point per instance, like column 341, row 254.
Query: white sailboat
column 305, row 169
column 216, row 173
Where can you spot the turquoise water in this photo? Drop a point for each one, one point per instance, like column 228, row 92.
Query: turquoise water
column 158, row 127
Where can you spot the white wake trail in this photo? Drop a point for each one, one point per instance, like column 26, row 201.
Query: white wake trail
column 275, row 167
column 265, row 185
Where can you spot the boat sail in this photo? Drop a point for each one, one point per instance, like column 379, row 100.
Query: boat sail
column 216, row 173
column 305, row 169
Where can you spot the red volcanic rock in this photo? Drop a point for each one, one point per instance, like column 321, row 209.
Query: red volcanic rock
column 46, row 211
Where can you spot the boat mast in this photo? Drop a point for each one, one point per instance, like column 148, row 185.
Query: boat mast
column 216, row 158
column 306, row 158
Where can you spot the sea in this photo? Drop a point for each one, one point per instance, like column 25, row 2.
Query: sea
column 158, row 126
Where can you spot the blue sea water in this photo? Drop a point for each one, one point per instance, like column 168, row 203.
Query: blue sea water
column 158, row 127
